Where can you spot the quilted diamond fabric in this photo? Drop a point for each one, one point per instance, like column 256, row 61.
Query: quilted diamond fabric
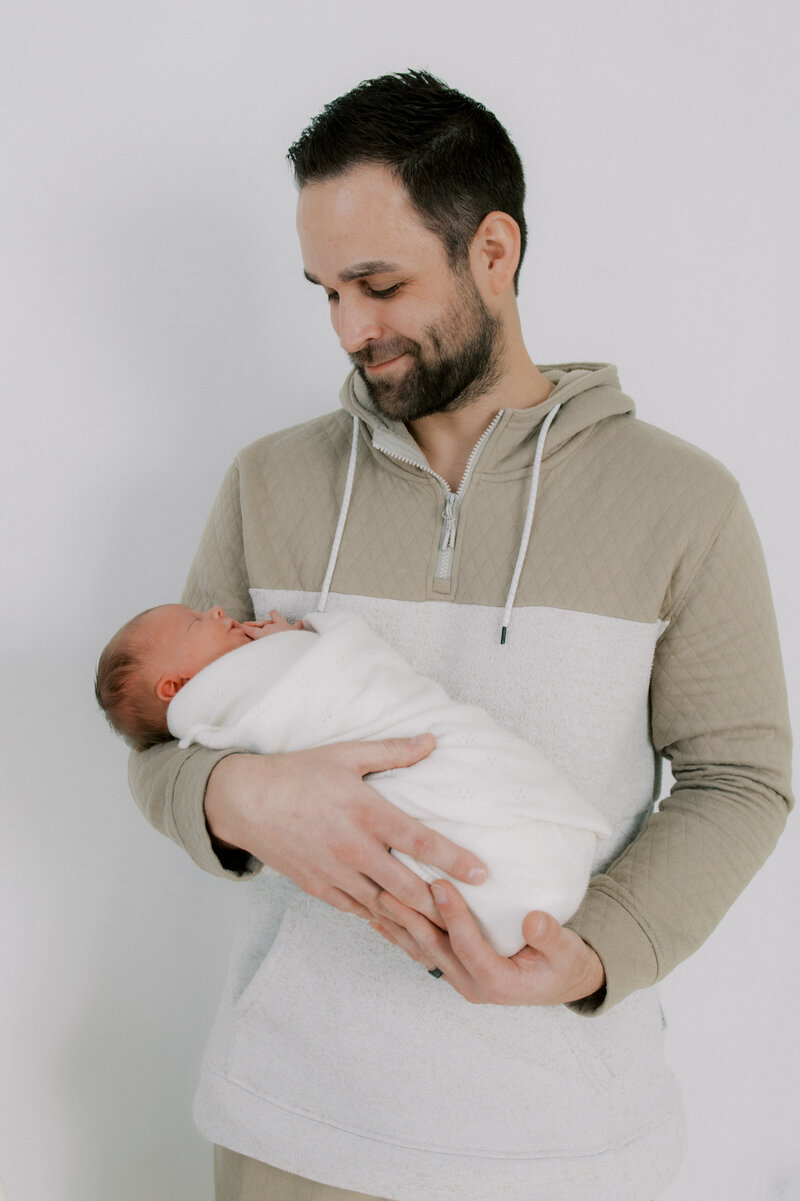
column 631, row 524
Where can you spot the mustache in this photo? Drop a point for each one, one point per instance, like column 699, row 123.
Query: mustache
column 381, row 352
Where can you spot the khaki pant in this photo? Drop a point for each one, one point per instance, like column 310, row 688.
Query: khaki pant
column 237, row 1178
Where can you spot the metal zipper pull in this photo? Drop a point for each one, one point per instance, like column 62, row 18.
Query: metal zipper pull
column 449, row 518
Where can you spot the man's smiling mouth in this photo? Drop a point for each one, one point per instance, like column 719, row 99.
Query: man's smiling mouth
column 385, row 363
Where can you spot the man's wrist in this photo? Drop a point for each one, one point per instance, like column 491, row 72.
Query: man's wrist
column 217, row 812
column 221, row 786
column 593, row 989
column 596, row 976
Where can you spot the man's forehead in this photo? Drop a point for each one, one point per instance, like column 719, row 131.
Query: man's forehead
column 360, row 182
column 365, row 198
column 360, row 224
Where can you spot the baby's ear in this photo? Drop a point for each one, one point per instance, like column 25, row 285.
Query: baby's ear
column 167, row 686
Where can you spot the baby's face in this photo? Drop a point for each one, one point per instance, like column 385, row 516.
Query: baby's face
column 179, row 641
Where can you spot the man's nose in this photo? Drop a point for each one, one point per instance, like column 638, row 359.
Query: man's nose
column 356, row 322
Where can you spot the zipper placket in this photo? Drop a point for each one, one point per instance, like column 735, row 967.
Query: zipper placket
column 452, row 500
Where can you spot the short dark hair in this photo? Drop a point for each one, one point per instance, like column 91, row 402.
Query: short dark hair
column 121, row 692
column 453, row 156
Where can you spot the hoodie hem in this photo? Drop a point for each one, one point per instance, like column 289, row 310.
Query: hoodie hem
column 626, row 1169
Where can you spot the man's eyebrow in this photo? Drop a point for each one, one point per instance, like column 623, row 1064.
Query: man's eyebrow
column 359, row 271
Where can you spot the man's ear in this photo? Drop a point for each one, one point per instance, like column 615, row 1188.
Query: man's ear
column 494, row 252
column 167, row 686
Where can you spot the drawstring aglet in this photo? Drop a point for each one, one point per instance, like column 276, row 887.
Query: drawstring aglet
column 503, row 636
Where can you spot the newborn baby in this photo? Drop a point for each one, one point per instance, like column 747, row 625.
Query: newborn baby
column 329, row 678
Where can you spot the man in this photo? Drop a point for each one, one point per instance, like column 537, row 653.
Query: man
column 597, row 585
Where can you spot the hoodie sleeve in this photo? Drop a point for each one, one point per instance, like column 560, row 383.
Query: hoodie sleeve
column 168, row 783
column 719, row 714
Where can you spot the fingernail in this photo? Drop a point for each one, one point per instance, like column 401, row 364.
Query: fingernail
column 439, row 894
column 418, row 739
column 541, row 926
column 477, row 875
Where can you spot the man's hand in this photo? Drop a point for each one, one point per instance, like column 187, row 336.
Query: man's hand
column 555, row 967
column 309, row 815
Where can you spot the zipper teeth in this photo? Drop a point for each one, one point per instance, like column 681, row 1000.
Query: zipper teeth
column 414, row 463
column 467, row 470
column 477, row 448
column 444, row 557
column 452, row 500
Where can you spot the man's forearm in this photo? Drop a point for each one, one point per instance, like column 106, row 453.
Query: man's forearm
column 668, row 891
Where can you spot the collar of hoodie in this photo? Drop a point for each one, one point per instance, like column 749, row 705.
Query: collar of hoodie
column 594, row 392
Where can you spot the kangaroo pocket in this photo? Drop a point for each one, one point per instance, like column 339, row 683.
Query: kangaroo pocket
column 339, row 1027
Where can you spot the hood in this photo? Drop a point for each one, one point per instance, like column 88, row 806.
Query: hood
column 586, row 393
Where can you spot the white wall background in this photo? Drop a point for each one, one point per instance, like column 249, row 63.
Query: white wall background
column 154, row 319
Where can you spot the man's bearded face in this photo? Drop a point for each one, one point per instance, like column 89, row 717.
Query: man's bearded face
column 456, row 362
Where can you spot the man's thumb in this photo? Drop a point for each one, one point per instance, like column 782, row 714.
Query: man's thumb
column 539, row 929
column 394, row 752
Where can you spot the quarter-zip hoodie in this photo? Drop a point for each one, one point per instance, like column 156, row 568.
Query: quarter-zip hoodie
column 642, row 627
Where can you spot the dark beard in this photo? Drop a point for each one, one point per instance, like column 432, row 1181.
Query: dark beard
column 450, row 378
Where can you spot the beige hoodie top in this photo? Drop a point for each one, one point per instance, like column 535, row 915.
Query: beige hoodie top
column 642, row 627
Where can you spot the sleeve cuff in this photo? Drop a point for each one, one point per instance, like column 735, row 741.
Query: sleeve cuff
column 606, row 921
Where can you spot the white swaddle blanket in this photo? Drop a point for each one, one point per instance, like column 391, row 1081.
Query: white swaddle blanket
column 482, row 787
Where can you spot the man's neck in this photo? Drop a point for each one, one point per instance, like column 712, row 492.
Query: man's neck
column 447, row 439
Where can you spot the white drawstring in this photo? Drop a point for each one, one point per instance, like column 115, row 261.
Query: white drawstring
column 337, row 538
column 526, row 532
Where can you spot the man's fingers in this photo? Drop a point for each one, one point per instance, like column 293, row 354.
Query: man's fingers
column 418, row 937
column 400, row 937
column 345, row 903
column 387, row 753
column 405, row 834
column 426, row 943
column 473, row 951
column 411, row 890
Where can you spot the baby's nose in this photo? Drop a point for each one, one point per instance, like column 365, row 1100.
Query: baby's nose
column 215, row 611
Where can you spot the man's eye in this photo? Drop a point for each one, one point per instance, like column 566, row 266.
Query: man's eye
column 384, row 293
column 331, row 296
